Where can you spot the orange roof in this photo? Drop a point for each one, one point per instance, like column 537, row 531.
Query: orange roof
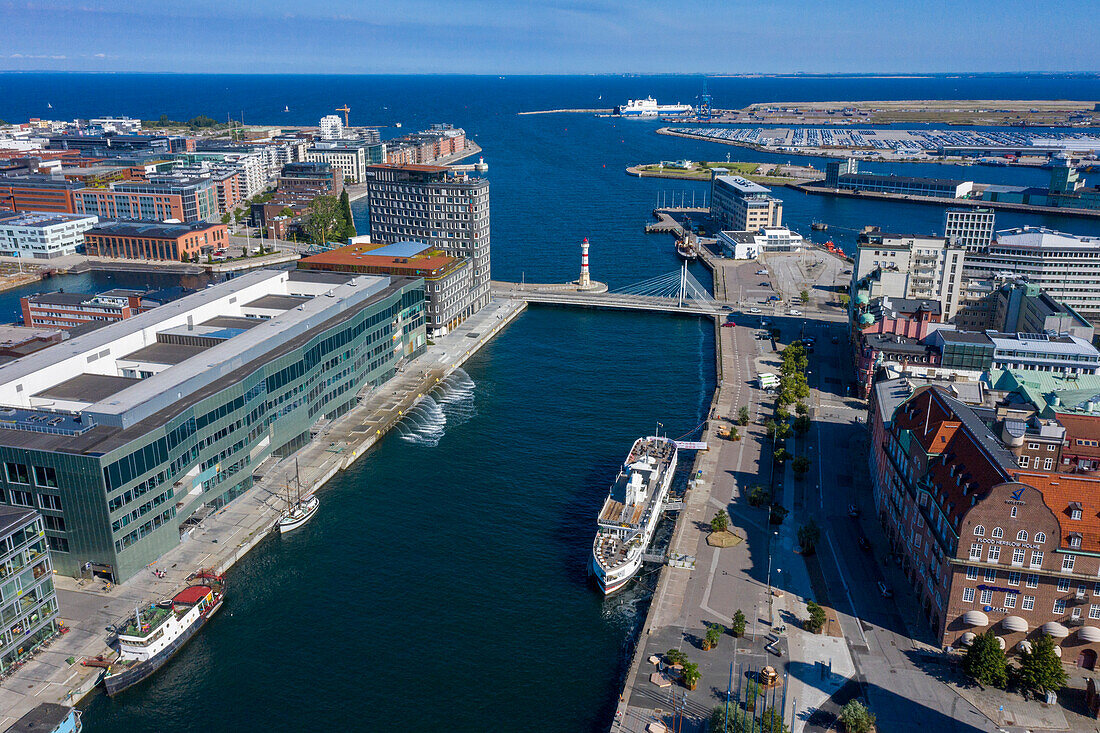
column 1061, row 490
column 358, row 258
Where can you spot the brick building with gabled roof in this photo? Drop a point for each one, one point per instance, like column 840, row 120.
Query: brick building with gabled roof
column 985, row 542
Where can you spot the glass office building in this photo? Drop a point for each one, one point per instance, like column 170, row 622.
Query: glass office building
column 125, row 437
column 28, row 603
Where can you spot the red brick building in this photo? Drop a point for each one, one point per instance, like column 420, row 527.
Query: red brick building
column 38, row 193
column 986, row 543
column 146, row 240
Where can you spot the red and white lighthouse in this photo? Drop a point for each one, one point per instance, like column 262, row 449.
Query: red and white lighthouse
column 585, row 280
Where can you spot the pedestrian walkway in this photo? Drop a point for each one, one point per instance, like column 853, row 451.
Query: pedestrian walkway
column 225, row 536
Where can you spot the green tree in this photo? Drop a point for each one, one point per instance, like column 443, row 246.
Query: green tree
column 1040, row 669
column 691, row 675
column 816, row 621
column 759, row 496
column 856, row 717
column 801, row 408
column 738, row 627
column 804, row 296
column 720, row 523
column 808, row 536
column 781, row 455
column 201, row 121
column 844, row 299
column 801, row 424
column 675, row 656
column 714, row 635
column 771, row 721
column 743, row 416
column 324, row 219
column 346, row 216
column 782, row 413
column 777, row 514
column 985, row 661
column 753, row 690
column 800, row 465
column 226, row 217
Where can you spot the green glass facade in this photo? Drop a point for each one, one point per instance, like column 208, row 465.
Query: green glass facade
column 115, row 512
column 28, row 602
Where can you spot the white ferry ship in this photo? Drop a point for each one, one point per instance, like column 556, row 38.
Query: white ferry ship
column 648, row 107
column 630, row 512
column 153, row 635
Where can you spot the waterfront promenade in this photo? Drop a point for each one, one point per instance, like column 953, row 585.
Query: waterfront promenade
column 866, row 650
column 225, row 536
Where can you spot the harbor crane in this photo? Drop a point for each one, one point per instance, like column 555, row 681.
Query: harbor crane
column 345, row 109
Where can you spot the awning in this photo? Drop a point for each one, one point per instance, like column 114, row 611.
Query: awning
column 1014, row 623
column 975, row 618
column 968, row 638
column 1024, row 646
column 1058, row 652
column 1055, row 629
column 1089, row 634
column 1001, row 641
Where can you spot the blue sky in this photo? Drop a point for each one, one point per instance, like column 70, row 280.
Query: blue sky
column 545, row 37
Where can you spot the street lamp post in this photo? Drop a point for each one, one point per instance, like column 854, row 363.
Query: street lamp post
column 773, row 534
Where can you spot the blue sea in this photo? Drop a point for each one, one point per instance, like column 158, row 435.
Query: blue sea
column 443, row 584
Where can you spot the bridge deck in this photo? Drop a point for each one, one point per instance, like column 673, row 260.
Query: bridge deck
column 620, row 301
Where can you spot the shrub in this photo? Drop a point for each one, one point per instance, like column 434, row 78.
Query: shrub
column 743, row 416
column 714, row 634
column 778, row 514
column 801, row 424
column 720, row 523
column 675, row 656
column 801, row 465
column 856, row 717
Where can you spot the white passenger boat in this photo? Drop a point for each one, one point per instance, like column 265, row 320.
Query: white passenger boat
column 648, row 107
column 631, row 511
column 298, row 514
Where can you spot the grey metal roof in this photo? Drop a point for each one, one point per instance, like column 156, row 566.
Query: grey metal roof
column 87, row 388
column 11, row 517
column 160, row 353
column 281, row 302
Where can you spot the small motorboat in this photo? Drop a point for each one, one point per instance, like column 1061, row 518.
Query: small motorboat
column 819, row 226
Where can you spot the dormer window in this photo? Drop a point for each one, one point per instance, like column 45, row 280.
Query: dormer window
column 1075, row 510
column 1074, row 540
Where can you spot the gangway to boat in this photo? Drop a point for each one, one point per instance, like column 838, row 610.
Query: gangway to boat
column 674, row 506
column 654, row 557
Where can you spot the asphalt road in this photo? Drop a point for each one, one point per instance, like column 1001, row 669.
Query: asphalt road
column 899, row 680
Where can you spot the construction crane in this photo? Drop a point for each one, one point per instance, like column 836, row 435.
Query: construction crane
column 345, row 109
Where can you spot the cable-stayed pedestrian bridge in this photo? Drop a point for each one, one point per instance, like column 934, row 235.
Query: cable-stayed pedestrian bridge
column 673, row 292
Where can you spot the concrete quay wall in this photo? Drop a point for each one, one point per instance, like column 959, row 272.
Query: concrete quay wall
column 228, row 535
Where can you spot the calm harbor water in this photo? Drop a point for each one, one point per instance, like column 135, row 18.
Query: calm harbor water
column 443, row 582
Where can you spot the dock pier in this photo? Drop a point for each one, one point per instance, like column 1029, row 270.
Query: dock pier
column 223, row 538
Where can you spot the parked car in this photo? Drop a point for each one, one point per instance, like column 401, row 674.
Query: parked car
column 728, row 324
column 754, row 310
column 727, row 307
column 761, row 272
column 794, row 312
column 885, row 590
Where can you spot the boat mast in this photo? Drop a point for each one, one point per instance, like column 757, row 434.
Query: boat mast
column 298, row 479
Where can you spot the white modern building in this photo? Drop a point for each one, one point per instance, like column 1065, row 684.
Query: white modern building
column 749, row 245
column 971, row 228
column 351, row 156
column 124, row 125
column 331, row 127
column 740, row 205
column 908, row 266
column 43, row 235
column 1066, row 266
